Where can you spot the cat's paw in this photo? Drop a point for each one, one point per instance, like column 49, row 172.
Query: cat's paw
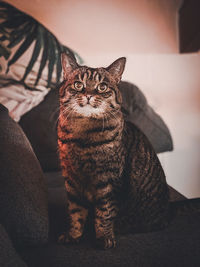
column 65, row 238
column 106, row 242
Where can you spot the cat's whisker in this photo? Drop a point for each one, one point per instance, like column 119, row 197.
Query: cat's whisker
column 64, row 121
column 54, row 112
column 57, row 119
column 56, row 122
column 106, row 117
column 68, row 115
column 68, row 109
column 113, row 114
column 116, row 118
column 57, row 109
column 64, row 111
column 103, row 124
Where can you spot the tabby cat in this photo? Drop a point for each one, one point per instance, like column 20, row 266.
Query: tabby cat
column 109, row 165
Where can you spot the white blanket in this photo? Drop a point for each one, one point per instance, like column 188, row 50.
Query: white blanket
column 13, row 94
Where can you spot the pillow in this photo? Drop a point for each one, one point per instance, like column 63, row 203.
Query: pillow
column 40, row 124
column 29, row 60
column 23, row 190
column 145, row 118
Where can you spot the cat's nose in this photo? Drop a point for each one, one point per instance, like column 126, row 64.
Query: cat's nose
column 88, row 98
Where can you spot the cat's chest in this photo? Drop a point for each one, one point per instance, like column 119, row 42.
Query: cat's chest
column 92, row 164
column 93, row 158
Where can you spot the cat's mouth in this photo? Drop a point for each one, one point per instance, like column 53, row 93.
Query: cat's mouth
column 89, row 110
column 82, row 105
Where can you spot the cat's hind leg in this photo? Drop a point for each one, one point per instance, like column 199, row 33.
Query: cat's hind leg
column 149, row 190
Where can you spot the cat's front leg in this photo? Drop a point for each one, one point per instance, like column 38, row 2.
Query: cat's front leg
column 105, row 212
column 77, row 215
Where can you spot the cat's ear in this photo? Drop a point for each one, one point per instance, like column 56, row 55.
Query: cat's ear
column 68, row 65
column 117, row 68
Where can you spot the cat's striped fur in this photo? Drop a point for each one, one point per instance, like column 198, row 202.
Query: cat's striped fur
column 109, row 166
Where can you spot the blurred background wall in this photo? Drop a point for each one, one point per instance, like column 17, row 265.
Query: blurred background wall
column 109, row 26
column 147, row 33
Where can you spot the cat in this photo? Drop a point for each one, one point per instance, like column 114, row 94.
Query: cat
column 108, row 164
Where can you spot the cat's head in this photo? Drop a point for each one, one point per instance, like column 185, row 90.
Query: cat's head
column 91, row 92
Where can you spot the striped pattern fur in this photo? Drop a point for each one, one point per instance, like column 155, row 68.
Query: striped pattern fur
column 109, row 166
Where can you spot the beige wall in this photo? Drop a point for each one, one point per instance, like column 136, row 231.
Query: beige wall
column 109, row 26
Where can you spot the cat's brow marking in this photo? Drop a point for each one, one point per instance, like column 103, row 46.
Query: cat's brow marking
column 94, row 73
column 89, row 73
column 97, row 77
column 83, row 80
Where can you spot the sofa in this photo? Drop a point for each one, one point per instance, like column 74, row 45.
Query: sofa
column 177, row 245
column 41, row 199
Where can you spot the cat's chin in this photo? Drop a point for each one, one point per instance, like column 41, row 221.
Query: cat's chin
column 89, row 111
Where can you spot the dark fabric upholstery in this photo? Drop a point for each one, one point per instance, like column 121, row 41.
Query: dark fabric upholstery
column 40, row 124
column 8, row 255
column 145, row 118
column 23, row 194
column 177, row 245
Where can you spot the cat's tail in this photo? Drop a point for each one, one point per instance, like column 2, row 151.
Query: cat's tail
column 184, row 207
column 125, row 224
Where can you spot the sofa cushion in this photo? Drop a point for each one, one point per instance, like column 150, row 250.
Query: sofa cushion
column 23, row 192
column 8, row 255
column 40, row 126
column 57, row 200
column 145, row 118
column 177, row 245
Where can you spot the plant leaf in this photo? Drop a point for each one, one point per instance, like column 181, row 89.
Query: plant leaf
column 35, row 54
column 14, row 22
column 51, row 58
column 3, row 38
column 58, row 66
column 4, row 51
column 44, row 54
column 5, row 5
column 4, row 32
column 19, row 35
column 24, row 46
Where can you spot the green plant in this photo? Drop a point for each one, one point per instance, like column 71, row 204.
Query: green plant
column 18, row 28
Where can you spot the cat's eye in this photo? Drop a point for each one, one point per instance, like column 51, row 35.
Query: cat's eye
column 102, row 87
column 78, row 86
